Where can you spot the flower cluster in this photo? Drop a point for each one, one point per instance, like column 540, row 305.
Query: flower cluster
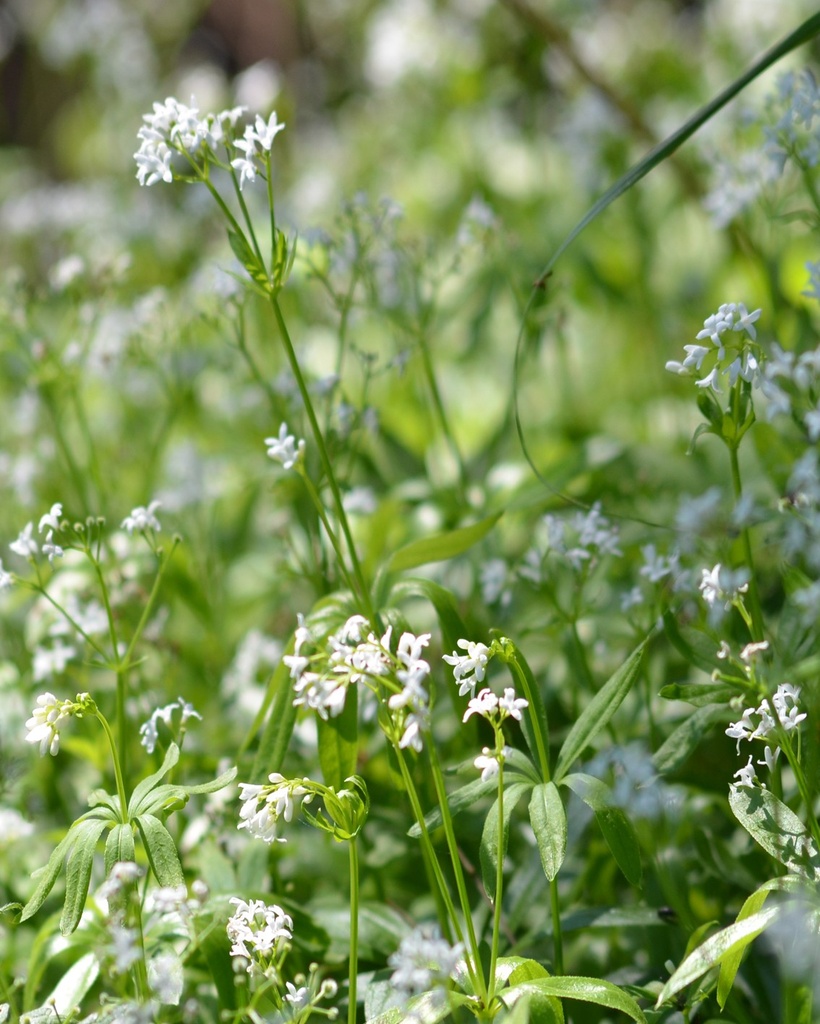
column 790, row 384
column 260, row 934
column 423, row 959
column 796, row 105
column 149, row 733
column 582, row 540
column 263, row 806
column 175, row 128
column 284, row 448
column 142, row 519
column 355, row 654
column 722, row 584
column 727, row 356
column 469, row 669
column 496, row 709
column 780, row 708
column 49, row 716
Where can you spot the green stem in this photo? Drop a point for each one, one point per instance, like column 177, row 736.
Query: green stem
column 334, row 540
column 754, row 594
column 364, row 594
column 117, row 766
column 438, row 405
column 433, row 861
column 466, row 910
column 557, row 935
column 354, row 931
column 499, row 876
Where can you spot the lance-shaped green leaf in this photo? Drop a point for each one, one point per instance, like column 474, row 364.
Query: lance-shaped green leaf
column 549, row 823
column 278, row 730
column 776, row 828
column 682, row 742
column 161, row 850
column 529, row 1006
column 699, row 694
column 458, row 801
column 441, row 546
column 534, row 722
column 489, row 836
column 450, row 622
column 616, row 828
column 71, row 989
column 144, row 787
column 717, row 948
column 599, row 711
column 339, row 742
column 171, row 797
column 49, row 874
column 119, row 846
column 586, row 990
column 78, row 872
column 731, row 962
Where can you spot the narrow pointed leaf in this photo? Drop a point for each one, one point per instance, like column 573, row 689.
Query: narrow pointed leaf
column 599, row 711
column 143, row 788
column 441, row 546
column 716, row 948
column 339, row 742
column 48, row 875
column 119, row 846
column 161, row 850
column 450, row 622
column 78, row 873
column 731, row 963
column 279, row 726
column 549, row 823
column 776, row 828
column 683, row 741
column 489, row 835
column 458, row 801
column 615, row 827
column 166, row 795
column 587, row 990
column 534, row 723
column 71, row 989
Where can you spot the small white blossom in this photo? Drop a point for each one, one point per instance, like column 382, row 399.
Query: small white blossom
column 51, row 549
column 265, row 132
column 148, row 730
column 263, row 806
column 510, row 705
column 142, row 518
column 485, row 704
column 746, row 776
column 468, row 669
column 247, row 170
column 489, row 763
column 44, row 725
column 258, row 932
column 25, row 545
column 52, row 518
column 6, row 579
column 284, row 448
column 422, row 960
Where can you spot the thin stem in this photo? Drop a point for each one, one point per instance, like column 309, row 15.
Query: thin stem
column 117, row 767
column 499, row 876
column 447, row 822
column 427, row 843
column 354, row 931
column 557, row 935
column 754, row 594
column 334, row 540
column 438, row 405
column 364, row 593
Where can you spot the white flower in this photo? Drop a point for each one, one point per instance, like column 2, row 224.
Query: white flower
column 720, row 583
column 265, row 133
column 284, row 448
column 746, row 776
column 488, row 762
column 711, row 380
column 52, row 518
column 485, row 704
column 247, row 170
column 51, row 549
column 44, row 724
column 153, row 163
column 469, row 669
column 743, row 729
column 297, row 997
column 124, row 947
column 148, row 729
column 263, row 806
column 25, row 545
column 422, row 960
column 510, row 705
column 6, row 579
column 258, row 931
column 142, row 518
